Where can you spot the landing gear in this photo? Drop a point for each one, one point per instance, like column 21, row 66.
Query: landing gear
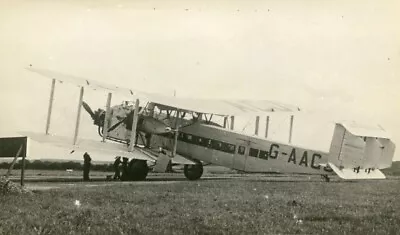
column 193, row 172
column 138, row 170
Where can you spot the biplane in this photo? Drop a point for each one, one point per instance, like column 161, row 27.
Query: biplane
column 154, row 131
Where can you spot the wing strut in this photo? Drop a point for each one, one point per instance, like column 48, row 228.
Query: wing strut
column 107, row 117
column 257, row 125
column 53, row 85
column 291, row 128
column 266, row 127
column 134, row 125
column 78, row 116
column 225, row 122
column 176, row 133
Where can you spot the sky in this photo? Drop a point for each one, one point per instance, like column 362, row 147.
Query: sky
column 337, row 60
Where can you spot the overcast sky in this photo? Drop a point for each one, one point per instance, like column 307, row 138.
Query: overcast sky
column 335, row 59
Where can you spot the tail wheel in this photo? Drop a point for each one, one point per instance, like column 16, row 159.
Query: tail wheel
column 193, row 172
column 138, row 170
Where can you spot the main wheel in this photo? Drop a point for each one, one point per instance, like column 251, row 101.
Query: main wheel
column 138, row 170
column 193, row 172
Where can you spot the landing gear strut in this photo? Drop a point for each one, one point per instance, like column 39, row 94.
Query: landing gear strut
column 193, row 172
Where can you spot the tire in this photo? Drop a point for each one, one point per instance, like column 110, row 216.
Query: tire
column 138, row 170
column 193, row 172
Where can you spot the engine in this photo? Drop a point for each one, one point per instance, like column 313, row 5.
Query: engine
column 121, row 120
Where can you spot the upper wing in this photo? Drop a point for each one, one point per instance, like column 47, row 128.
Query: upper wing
column 212, row 106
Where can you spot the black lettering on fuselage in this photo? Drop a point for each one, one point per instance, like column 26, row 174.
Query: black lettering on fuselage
column 272, row 152
column 292, row 157
column 304, row 159
column 313, row 165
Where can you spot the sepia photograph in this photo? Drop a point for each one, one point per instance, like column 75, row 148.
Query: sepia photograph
column 199, row 117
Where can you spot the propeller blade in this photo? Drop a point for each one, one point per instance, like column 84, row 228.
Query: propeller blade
column 88, row 109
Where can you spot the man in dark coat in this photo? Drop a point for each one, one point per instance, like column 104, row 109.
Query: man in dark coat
column 86, row 166
column 116, row 168
column 125, row 173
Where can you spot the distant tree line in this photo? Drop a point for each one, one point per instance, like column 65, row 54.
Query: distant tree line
column 49, row 165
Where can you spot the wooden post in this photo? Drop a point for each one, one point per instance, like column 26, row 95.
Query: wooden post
column 266, row 127
column 257, row 125
column 107, row 117
column 53, row 85
column 134, row 126
column 291, row 128
column 78, row 116
column 23, row 171
column 232, row 122
column 14, row 161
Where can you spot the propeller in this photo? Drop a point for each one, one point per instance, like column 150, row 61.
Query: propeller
column 97, row 116
column 88, row 109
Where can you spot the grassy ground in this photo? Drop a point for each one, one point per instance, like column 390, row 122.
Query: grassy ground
column 59, row 175
column 251, row 205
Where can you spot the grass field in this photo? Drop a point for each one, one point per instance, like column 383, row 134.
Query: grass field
column 252, row 205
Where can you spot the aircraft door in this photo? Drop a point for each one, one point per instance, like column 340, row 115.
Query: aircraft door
column 242, row 150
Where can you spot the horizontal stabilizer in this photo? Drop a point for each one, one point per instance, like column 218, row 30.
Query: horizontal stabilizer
column 356, row 174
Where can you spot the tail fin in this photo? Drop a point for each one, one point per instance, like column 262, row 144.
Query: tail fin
column 358, row 152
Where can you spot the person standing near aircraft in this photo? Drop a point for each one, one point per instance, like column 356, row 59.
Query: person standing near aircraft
column 116, row 167
column 124, row 169
column 86, row 166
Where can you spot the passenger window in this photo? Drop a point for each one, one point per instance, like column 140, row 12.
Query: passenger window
column 209, row 144
column 189, row 137
column 253, row 152
column 241, row 150
column 263, row 154
column 203, row 142
column 229, row 148
column 216, row 145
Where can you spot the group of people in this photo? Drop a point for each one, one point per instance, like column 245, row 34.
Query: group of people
column 117, row 175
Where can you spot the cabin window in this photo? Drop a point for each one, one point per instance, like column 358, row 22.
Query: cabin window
column 253, row 152
column 203, row 142
column 189, row 138
column 229, row 148
column 263, row 154
column 241, row 150
column 217, row 145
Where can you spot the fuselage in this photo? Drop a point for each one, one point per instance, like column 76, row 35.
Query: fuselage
column 220, row 146
column 210, row 143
